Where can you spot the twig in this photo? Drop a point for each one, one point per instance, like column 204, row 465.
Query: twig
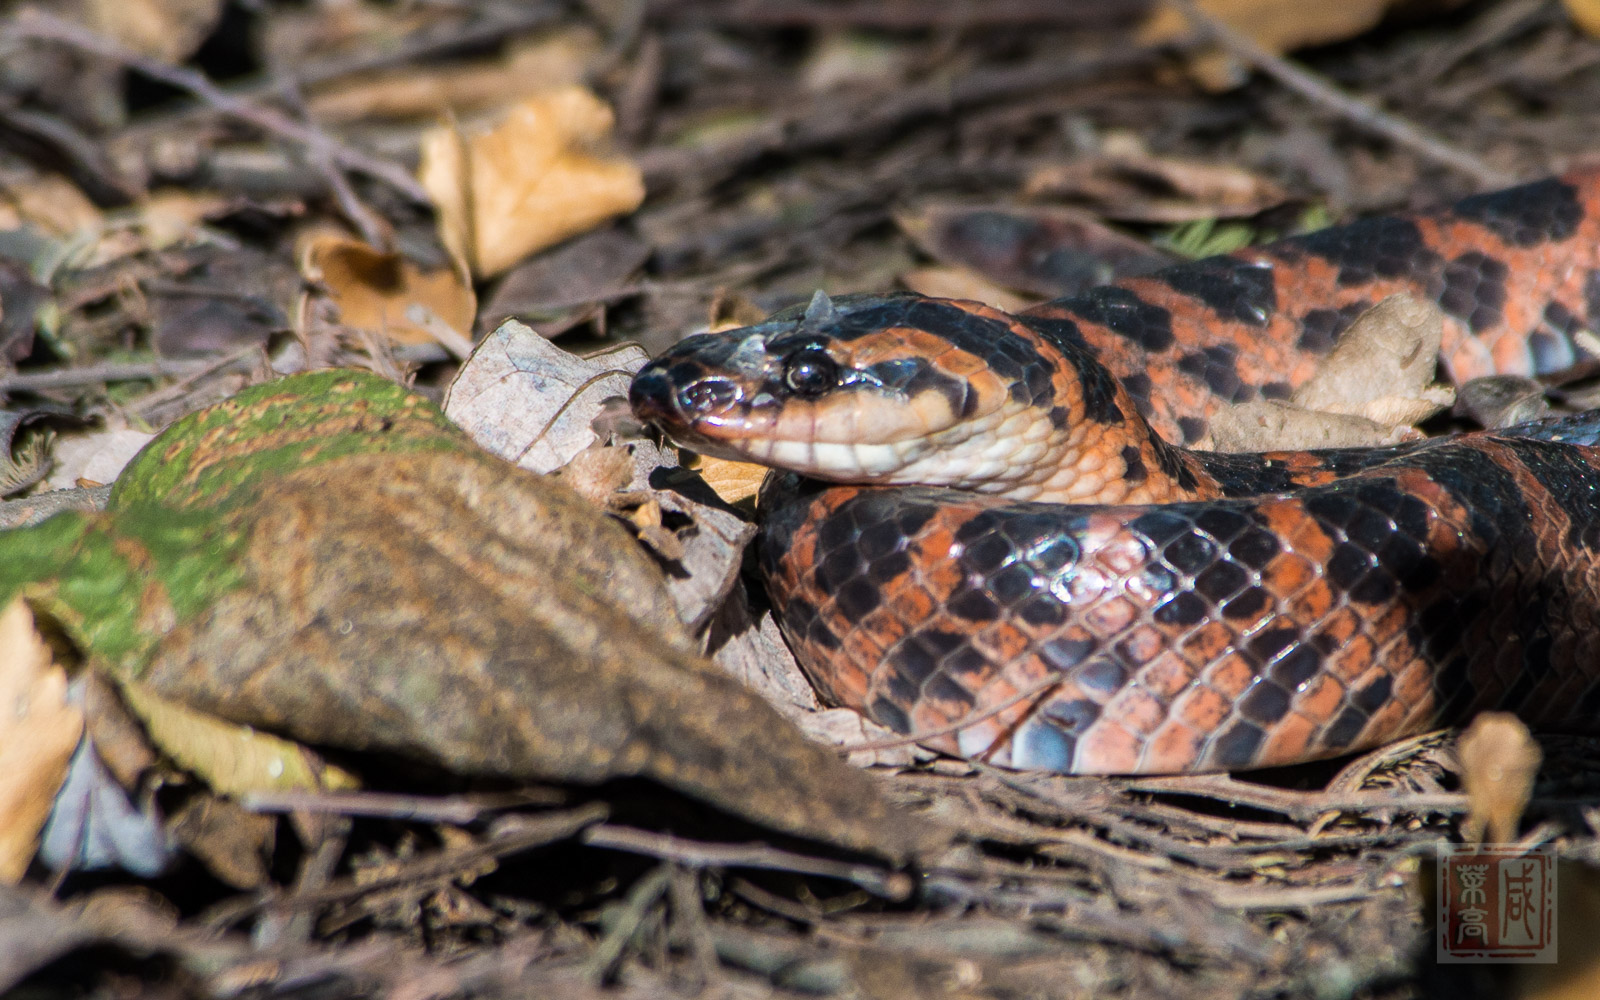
column 531, row 831
column 122, row 371
column 695, row 854
column 1357, row 111
column 35, row 25
column 457, row 809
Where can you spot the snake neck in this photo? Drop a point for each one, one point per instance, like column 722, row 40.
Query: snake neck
column 1104, row 451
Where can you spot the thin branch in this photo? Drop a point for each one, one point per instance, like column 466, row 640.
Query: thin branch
column 695, row 854
column 1356, row 110
column 35, row 25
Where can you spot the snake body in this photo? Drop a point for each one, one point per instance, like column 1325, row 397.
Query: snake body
column 1032, row 570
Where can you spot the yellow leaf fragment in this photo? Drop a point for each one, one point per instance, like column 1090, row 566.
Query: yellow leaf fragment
column 233, row 759
column 38, row 732
column 530, row 182
column 168, row 30
column 51, row 203
column 1277, row 25
column 732, row 481
column 388, row 295
column 1586, row 15
column 1499, row 761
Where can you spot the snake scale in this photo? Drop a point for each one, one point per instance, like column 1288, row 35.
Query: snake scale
column 997, row 538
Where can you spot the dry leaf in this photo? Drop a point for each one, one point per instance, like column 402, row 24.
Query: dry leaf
column 38, row 732
column 734, row 482
column 168, row 30
column 530, row 402
column 1586, row 15
column 1277, row 25
column 557, row 59
column 52, row 204
column 530, row 182
column 1499, row 761
column 233, row 759
column 388, row 295
column 98, row 456
column 1496, row 401
column 1371, row 389
column 598, row 472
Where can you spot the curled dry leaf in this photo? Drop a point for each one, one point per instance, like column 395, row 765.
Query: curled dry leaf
column 529, row 183
column 38, row 733
column 1496, row 401
column 1371, row 388
column 388, row 295
column 1499, row 760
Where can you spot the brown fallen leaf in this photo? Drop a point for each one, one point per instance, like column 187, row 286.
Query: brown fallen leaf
column 1371, row 389
column 532, row 181
column 387, row 295
column 445, row 606
column 38, row 732
column 1499, row 760
column 1044, row 250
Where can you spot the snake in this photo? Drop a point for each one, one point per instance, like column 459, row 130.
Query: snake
column 987, row 530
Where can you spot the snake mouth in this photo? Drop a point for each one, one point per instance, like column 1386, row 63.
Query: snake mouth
column 837, row 439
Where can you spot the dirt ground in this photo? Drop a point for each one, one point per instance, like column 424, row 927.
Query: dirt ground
column 199, row 196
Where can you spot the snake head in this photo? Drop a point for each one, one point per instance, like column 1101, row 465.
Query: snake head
column 855, row 389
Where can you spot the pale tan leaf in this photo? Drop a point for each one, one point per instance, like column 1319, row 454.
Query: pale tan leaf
column 532, row 181
column 1499, row 761
column 38, row 732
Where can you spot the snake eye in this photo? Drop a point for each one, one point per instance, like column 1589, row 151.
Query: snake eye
column 810, row 372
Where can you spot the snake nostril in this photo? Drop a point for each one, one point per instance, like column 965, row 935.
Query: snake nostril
column 707, row 395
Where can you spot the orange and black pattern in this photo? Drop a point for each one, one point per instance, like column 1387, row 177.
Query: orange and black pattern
column 1285, row 607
